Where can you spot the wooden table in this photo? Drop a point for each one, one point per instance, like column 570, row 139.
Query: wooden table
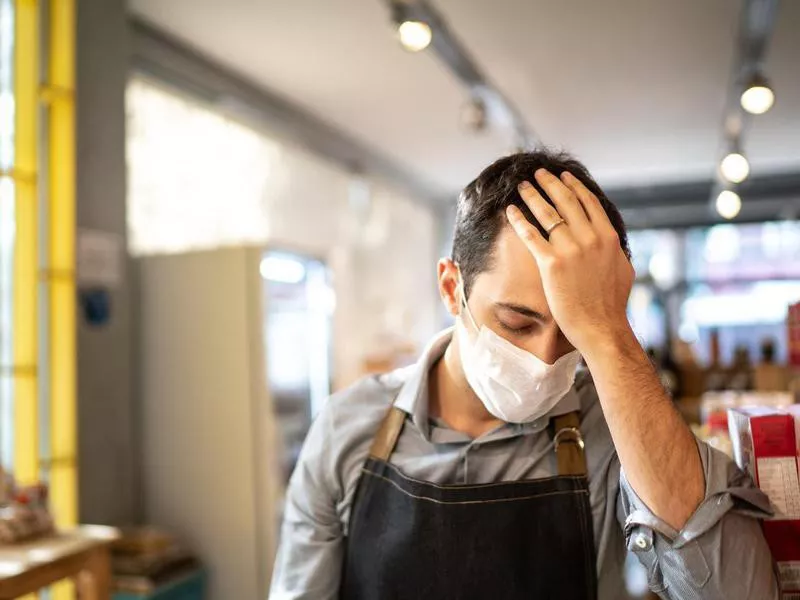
column 81, row 554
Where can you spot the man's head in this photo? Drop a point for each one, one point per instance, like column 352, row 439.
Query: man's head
column 500, row 277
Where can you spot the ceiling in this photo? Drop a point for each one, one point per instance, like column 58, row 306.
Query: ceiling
column 634, row 88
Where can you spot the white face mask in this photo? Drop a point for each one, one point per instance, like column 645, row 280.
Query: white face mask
column 514, row 385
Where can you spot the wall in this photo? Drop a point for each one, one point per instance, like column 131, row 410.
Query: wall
column 242, row 185
column 395, row 302
column 380, row 244
column 107, row 450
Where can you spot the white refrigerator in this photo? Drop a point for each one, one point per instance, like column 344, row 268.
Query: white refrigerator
column 215, row 457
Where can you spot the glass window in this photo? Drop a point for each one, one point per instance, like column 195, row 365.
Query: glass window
column 647, row 315
column 196, row 178
column 738, row 279
column 745, row 313
column 656, row 257
column 6, row 228
column 742, row 279
column 655, row 254
column 753, row 252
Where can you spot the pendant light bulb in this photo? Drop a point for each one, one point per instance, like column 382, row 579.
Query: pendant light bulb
column 758, row 96
column 728, row 204
column 734, row 167
column 415, row 35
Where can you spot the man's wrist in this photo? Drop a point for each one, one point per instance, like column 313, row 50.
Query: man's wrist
column 614, row 342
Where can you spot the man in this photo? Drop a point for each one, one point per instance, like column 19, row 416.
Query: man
column 489, row 469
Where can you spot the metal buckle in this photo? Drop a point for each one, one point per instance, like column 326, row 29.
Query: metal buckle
column 566, row 431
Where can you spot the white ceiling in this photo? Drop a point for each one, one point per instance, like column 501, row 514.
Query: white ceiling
column 635, row 88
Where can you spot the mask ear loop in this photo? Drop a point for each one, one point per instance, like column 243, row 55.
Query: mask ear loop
column 464, row 305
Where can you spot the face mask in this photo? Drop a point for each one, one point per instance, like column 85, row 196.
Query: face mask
column 514, row 385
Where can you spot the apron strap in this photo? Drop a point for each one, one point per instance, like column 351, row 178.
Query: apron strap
column 386, row 438
column 567, row 440
column 568, row 443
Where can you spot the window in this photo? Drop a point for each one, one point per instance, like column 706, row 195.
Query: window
column 739, row 279
column 6, row 230
column 36, row 334
column 197, row 178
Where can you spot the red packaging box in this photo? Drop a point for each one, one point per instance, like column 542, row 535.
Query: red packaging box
column 765, row 444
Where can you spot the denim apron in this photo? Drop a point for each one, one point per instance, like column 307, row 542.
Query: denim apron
column 412, row 539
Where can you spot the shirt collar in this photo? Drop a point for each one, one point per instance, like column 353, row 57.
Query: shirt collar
column 413, row 395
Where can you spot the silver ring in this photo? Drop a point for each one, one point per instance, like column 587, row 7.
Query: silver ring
column 554, row 225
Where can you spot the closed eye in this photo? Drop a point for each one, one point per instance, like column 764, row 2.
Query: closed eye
column 525, row 329
column 518, row 320
column 520, row 310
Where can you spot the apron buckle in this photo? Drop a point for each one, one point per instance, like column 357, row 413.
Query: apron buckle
column 575, row 434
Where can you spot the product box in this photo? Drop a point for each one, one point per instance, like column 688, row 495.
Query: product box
column 765, row 444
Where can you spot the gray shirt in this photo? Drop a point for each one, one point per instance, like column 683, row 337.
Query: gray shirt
column 720, row 552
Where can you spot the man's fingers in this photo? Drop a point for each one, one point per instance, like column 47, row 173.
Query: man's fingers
column 544, row 212
column 565, row 200
column 534, row 241
column 597, row 215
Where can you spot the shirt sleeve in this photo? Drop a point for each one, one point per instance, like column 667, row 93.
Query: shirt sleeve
column 309, row 558
column 720, row 552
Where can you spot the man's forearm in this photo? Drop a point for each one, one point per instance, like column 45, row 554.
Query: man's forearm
column 587, row 279
column 656, row 449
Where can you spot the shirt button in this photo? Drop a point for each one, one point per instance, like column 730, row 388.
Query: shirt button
column 642, row 542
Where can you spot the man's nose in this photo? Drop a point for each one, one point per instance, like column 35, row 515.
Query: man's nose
column 551, row 345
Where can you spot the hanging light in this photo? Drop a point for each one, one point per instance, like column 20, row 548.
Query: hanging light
column 728, row 204
column 415, row 35
column 758, row 96
column 734, row 167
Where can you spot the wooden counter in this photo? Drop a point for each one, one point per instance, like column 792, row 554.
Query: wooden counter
column 81, row 554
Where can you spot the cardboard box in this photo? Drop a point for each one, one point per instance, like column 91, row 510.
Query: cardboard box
column 765, row 444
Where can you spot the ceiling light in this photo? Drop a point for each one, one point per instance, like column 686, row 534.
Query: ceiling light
column 758, row 96
column 728, row 204
column 734, row 167
column 414, row 35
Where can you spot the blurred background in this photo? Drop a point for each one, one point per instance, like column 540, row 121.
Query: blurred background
column 215, row 214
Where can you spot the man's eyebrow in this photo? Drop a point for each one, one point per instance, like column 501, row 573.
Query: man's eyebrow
column 523, row 310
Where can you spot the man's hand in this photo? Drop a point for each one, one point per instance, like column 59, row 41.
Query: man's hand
column 587, row 280
column 586, row 276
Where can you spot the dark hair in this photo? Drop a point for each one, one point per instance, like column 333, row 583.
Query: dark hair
column 480, row 214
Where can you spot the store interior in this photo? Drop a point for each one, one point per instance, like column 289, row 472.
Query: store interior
column 215, row 215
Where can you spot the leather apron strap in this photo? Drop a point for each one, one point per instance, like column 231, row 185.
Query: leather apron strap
column 567, row 440
column 386, row 438
column 568, row 443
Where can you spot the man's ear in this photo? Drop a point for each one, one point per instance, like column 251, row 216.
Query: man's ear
column 449, row 288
